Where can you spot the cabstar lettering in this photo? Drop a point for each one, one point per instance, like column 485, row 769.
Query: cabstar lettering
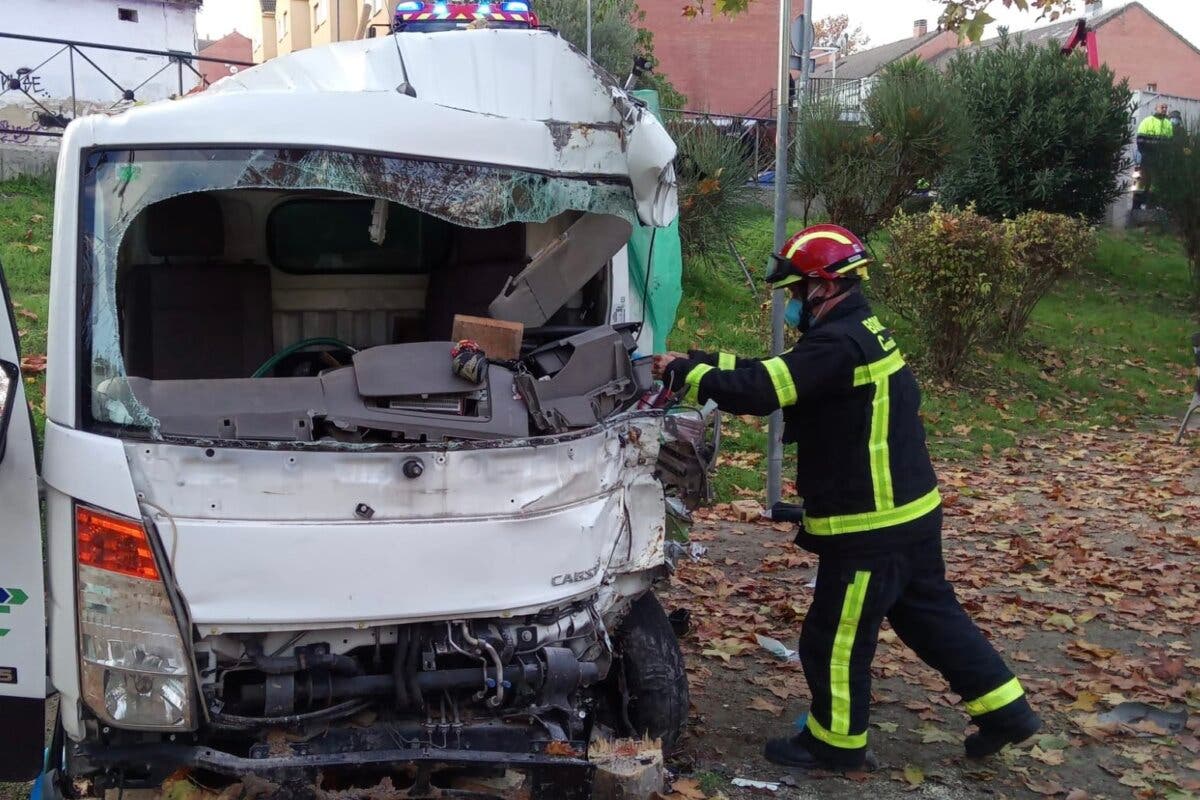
column 576, row 577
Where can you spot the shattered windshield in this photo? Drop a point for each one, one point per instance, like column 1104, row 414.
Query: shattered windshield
column 120, row 184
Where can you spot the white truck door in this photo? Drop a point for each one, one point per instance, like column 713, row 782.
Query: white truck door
column 22, row 596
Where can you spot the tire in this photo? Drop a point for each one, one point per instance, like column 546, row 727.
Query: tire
column 652, row 673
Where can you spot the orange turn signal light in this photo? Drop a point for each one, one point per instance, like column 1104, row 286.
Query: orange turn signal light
column 116, row 544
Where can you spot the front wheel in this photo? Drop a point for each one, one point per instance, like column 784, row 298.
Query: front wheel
column 651, row 679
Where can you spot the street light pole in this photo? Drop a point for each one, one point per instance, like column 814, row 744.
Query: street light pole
column 589, row 29
column 775, row 424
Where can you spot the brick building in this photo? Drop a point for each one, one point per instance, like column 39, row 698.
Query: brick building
column 1133, row 42
column 726, row 65
column 233, row 46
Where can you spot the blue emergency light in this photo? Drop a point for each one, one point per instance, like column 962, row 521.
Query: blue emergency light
column 410, row 6
column 516, row 7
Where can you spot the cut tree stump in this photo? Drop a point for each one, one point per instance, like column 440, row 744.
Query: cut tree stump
column 627, row 769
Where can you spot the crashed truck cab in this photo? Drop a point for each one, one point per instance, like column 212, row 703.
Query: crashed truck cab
column 285, row 540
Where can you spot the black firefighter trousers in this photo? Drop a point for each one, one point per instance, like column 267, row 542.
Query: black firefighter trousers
column 908, row 587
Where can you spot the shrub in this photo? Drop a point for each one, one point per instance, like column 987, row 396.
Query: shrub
column 714, row 185
column 1048, row 132
column 1045, row 248
column 944, row 272
column 1177, row 189
column 911, row 129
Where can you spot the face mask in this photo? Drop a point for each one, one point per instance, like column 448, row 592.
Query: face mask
column 793, row 313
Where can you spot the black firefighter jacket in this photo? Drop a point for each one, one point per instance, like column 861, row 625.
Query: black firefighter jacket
column 850, row 404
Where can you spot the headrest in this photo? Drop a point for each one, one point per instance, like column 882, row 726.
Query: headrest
column 187, row 225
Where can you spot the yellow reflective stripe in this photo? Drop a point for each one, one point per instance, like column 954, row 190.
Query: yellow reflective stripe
column 878, row 370
column 843, row 741
column 843, row 645
column 726, row 361
column 873, row 520
column 995, row 699
column 880, row 456
column 781, row 378
column 692, row 395
column 808, row 237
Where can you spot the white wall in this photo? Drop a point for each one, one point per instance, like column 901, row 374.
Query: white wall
column 160, row 25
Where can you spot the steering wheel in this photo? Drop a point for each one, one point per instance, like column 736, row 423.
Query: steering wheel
column 292, row 349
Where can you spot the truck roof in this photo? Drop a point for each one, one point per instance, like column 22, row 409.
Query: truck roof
column 524, row 99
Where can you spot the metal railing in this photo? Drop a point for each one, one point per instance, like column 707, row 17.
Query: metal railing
column 24, row 80
column 755, row 135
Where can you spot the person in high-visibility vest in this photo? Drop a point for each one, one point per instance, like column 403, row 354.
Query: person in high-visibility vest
column 1152, row 133
column 872, row 511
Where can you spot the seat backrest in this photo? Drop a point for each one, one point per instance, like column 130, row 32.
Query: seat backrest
column 480, row 264
column 197, row 320
column 191, row 315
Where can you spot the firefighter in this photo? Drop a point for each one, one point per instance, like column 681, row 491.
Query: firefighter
column 872, row 512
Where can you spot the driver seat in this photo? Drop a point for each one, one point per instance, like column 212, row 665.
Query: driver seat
column 190, row 316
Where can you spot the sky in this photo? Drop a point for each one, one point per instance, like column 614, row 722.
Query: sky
column 883, row 20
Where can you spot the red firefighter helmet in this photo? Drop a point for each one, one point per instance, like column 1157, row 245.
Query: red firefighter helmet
column 828, row 252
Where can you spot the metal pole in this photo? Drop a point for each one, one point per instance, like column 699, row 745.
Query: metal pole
column 775, row 426
column 589, row 29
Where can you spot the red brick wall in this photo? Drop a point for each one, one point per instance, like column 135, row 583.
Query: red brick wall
column 723, row 65
column 1136, row 46
column 233, row 46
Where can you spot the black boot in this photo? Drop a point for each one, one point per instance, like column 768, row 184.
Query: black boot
column 791, row 752
column 994, row 738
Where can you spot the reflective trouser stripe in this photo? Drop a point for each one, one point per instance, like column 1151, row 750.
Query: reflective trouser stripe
column 692, row 394
column 844, row 741
column 726, row 361
column 996, row 699
column 781, row 378
column 843, row 646
column 873, row 520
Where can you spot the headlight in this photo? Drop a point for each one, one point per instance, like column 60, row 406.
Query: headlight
column 134, row 666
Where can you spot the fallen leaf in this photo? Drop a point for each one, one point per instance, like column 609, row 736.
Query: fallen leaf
column 1052, row 757
column 687, row 788
column 1047, row 788
column 1058, row 621
column 31, row 365
column 27, row 314
column 1133, row 780
column 759, row 704
column 561, row 749
column 886, row 727
column 1078, row 794
column 914, row 775
column 931, row 735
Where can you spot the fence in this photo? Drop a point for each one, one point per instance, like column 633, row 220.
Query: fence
column 755, row 135
column 47, row 98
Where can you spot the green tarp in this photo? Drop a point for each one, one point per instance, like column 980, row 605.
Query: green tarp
column 660, row 298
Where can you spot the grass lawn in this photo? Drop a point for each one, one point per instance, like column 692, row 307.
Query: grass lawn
column 1109, row 347
column 26, row 209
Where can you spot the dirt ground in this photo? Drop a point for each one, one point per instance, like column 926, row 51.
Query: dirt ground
column 1079, row 556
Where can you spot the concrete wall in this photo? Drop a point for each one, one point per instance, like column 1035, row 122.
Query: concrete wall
column 725, row 65
column 1139, row 47
column 266, row 45
column 293, row 25
column 340, row 20
column 160, row 25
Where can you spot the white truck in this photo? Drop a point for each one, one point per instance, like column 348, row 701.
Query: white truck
column 282, row 537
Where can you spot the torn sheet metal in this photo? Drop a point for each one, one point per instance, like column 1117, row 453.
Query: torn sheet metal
column 508, row 98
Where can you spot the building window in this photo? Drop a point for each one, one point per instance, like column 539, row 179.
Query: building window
column 281, row 24
column 320, row 13
column 1151, row 87
column 127, row 14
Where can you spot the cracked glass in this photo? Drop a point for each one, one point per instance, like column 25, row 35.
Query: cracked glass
column 120, row 184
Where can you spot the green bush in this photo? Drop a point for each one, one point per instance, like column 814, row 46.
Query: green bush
column 1177, row 189
column 714, row 186
column 1046, row 248
column 911, row 129
column 945, row 272
column 1048, row 132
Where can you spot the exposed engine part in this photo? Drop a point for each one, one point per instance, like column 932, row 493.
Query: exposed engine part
column 532, row 665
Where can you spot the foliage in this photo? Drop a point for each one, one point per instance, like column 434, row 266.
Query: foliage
column 1048, row 132
column 945, row 272
column 970, row 17
column 912, row 129
column 1177, row 189
column 829, row 30
column 1046, row 248
column 617, row 37
column 714, row 185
